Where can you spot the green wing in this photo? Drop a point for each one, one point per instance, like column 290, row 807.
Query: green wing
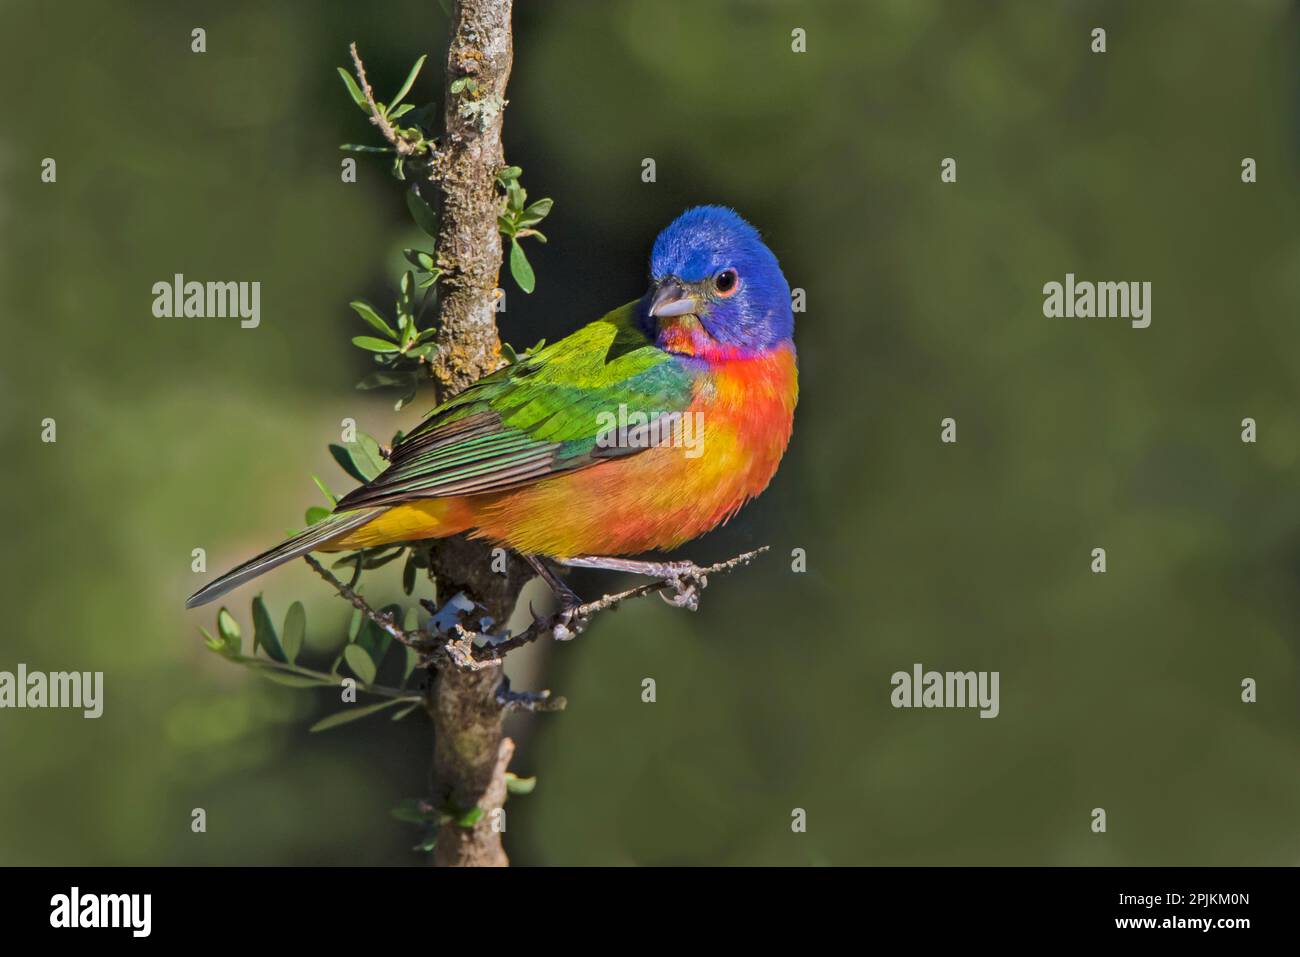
column 535, row 418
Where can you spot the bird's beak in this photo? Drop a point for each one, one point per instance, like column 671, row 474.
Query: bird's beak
column 671, row 299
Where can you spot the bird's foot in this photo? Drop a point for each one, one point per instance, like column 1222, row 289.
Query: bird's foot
column 686, row 579
column 565, row 625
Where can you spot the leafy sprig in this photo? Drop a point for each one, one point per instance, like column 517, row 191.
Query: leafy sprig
column 403, row 352
column 519, row 221
column 407, row 141
column 276, row 652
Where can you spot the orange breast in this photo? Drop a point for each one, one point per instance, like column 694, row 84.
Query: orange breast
column 726, row 451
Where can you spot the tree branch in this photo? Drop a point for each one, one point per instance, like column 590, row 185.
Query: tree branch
column 377, row 116
column 469, row 243
column 470, row 753
column 568, row 623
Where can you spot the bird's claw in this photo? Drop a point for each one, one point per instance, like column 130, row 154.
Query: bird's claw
column 568, row 624
column 565, row 625
column 687, row 580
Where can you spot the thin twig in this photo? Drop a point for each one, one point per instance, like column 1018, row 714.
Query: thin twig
column 377, row 116
column 460, row 648
column 569, row 622
column 411, row 640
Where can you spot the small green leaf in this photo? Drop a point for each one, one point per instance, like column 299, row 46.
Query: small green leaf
column 423, row 215
column 520, row 268
column 214, row 643
column 517, row 785
column 412, row 661
column 264, row 632
column 228, row 629
column 379, row 557
column 419, row 259
column 508, row 174
column 371, row 344
column 325, row 490
column 374, row 640
column 354, row 91
column 410, row 79
column 295, row 630
column 470, row 817
column 371, row 459
column 372, row 317
column 361, row 663
column 405, row 304
column 405, row 711
column 226, row 624
column 317, row 514
column 354, row 714
column 344, row 457
column 536, row 212
column 515, row 197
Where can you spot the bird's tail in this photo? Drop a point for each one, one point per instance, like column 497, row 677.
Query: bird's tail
column 302, row 543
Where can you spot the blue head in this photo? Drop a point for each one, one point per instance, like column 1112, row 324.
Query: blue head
column 711, row 264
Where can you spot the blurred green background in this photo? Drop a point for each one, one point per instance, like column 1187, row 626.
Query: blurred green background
column 924, row 299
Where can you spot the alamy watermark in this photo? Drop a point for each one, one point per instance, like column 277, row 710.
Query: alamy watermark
column 208, row 300
column 1101, row 300
column 75, row 909
column 82, row 690
column 946, row 689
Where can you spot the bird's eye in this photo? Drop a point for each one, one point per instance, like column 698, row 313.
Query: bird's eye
column 726, row 282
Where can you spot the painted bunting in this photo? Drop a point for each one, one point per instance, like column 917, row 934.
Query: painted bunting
column 636, row 433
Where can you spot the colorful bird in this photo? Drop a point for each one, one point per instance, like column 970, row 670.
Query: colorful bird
column 636, row 433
